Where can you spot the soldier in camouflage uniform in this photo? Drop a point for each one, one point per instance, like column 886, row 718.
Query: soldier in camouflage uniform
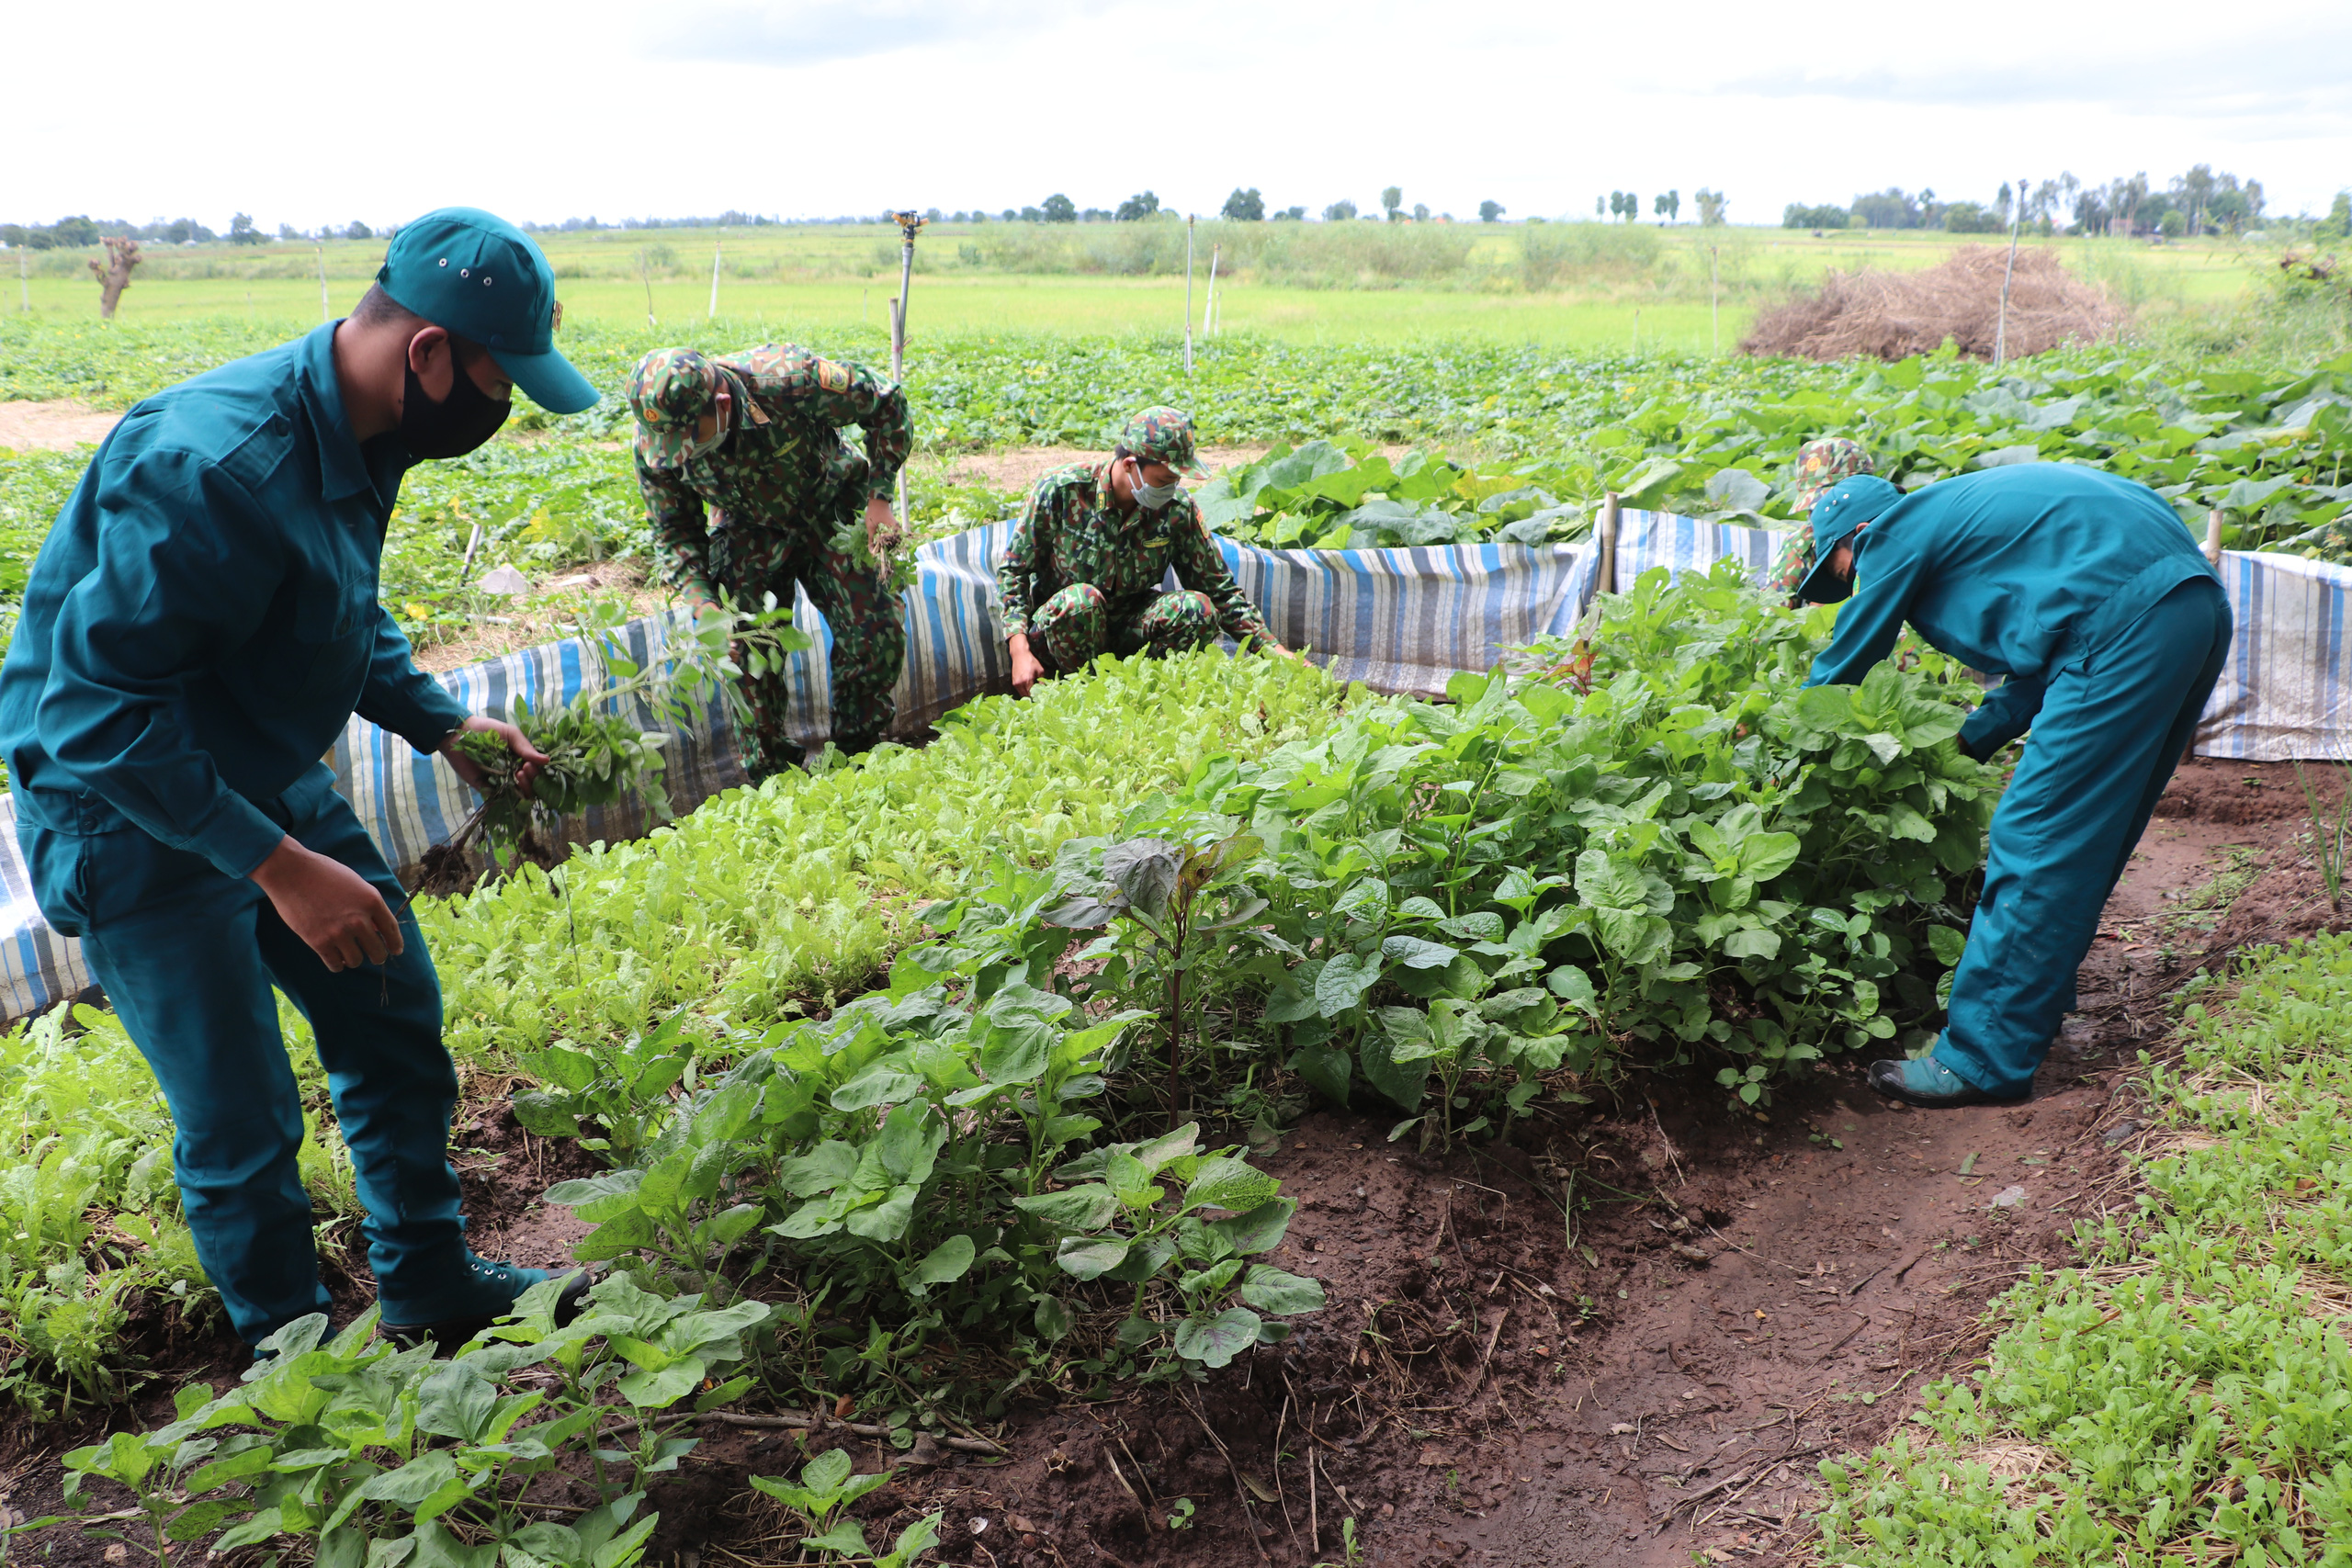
column 1820, row 464
column 757, row 437
column 1082, row 575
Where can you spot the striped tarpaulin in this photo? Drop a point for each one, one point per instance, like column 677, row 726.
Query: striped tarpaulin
column 2285, row 692
column 1646, row 539
column 1398, row 620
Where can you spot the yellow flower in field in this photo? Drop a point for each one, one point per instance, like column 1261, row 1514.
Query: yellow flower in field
column 414, row 610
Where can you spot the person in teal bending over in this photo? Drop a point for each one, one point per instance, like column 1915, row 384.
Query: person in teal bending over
column 200, row 625
column 2086, row 592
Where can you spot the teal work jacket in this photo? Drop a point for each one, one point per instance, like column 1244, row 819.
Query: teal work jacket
column 2021, row 572
column 202, row 620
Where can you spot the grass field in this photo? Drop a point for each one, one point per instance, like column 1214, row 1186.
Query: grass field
column 1653, row 293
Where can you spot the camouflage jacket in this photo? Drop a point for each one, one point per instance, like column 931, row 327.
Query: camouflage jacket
column 784, row 463
column 1070, row 534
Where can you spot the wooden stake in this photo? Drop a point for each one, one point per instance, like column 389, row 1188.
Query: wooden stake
column 720, row 245
column 1714, row 301
column 2213, row 536
column 1608, row 578
column 1208, row 307
column 326, row 312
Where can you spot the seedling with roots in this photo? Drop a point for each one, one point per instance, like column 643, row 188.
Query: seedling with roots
column 2327, row 839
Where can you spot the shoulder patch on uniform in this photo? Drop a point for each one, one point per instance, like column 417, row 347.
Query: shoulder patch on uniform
column 832, row 376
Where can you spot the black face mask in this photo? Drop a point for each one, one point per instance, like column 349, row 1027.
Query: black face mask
column 455, row 425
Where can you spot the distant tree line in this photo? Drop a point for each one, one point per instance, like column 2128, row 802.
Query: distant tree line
column 1666, row 207
column 75, row 232
column 2196, row 202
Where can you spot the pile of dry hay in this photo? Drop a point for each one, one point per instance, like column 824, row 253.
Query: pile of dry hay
column 1893, row 315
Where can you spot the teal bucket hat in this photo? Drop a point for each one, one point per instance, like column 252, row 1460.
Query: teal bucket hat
column 1844, row 507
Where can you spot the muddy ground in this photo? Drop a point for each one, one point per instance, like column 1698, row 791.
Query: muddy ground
column 1625, row 1340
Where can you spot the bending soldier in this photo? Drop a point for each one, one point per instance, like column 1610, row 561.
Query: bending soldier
column 757, row 438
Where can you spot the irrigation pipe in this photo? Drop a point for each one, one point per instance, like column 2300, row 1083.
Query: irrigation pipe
column 910, row 224
column 1188, row 294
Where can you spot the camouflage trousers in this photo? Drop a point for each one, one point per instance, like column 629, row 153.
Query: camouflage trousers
column 1078, row 624
column 868, row 622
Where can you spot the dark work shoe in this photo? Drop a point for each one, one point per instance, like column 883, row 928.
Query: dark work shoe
column 1926, row 1083
column 466, row 1307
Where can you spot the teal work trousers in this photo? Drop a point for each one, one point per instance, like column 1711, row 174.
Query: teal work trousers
column 188, row 958
column 2110, row 730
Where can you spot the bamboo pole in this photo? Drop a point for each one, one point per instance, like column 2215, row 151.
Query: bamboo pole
column 2213, row 536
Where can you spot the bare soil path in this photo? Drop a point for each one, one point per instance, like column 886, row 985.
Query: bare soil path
column 54, row 426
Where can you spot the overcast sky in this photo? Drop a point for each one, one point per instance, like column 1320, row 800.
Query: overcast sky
column 307, row 114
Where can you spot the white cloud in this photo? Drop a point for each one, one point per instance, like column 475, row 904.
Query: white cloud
column 814, row 32
column 303, row 114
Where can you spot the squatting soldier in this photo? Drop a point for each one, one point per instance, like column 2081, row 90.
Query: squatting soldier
column 757, row 437
column 1082, row 575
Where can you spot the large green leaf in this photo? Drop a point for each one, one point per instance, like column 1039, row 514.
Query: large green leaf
column 1227, row 1183
column 1086, row 1208
column 1278, row 1293
column 1215, row 1341
column 1400, row 1082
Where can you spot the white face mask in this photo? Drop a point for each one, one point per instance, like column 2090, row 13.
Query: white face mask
column 1151, row 498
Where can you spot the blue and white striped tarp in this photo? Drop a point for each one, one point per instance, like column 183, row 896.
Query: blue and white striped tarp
column 1400, row 620
column 1646, row 539
column 2285, row 694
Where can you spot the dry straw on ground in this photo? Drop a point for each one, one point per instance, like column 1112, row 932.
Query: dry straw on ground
column 1892, row 315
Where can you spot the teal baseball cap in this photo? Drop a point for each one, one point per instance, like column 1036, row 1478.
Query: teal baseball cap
column 476, row 275
column 1844, row 507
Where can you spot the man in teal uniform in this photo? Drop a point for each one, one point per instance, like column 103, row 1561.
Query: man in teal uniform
column 2085, row 591
column 200, row 625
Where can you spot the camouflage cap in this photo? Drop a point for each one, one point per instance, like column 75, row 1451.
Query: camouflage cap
column 670, row 391
column 1821, row 463
column 1164, row 435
